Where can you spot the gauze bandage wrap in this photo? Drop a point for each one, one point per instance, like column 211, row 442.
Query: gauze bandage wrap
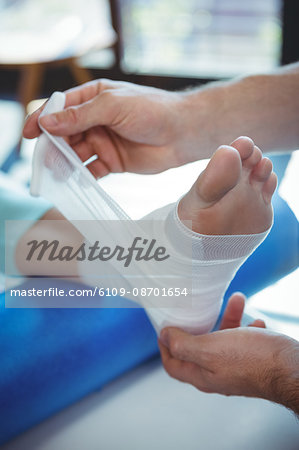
column 210, row 262
column 214, row 262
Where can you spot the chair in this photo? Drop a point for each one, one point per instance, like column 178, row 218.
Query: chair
column 53, row 38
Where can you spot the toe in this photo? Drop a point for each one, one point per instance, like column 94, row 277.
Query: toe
column 244, row 145
column 253, row 159
column 221, row 175
column 262, row 170
column 269, row 187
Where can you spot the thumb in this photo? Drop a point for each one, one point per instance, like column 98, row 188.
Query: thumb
column 234, row 311
column 76, row 119
column 185, row 346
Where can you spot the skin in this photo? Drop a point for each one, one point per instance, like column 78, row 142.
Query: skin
column 233, row 194
column 252, row 361
column 131, row 128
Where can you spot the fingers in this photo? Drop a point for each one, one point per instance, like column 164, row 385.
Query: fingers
column 258, row 323
column 83, row 93
column 185, row 346
column 202, row 360
column 31, row 128
column 98, row 169
column 75, row 139
column 101, row 110
column 234, row 311
column 184, row 371
column 174, row 367
column 98, row 142
column 74, row 97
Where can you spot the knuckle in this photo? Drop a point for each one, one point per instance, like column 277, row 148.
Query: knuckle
column 106, row 95
column 175, row 347
column 105, row 83
column 222, row 147
column 73, row 115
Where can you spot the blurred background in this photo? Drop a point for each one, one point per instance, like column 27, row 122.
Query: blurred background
column 197, row 39
column 48, row 45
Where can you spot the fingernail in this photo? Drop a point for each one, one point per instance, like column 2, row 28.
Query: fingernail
column 49, row 121
column 164, row 338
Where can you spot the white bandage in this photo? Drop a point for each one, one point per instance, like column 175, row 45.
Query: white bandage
column 215, row 261
column 207, row 262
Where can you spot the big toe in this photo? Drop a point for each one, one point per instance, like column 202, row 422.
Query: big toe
column 220, row 176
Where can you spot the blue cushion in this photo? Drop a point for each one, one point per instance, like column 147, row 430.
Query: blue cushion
column 53, row 357
column 277, row 256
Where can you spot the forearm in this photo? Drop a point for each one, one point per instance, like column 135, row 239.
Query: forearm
column 284, row 386
column 264, row 107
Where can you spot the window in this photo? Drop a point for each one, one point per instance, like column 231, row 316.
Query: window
column 208, row 38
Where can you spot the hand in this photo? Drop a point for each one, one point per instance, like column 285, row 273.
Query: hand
column 129, row 127
column 234, row 361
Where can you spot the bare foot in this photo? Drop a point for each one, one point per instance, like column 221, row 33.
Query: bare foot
column 233, row 194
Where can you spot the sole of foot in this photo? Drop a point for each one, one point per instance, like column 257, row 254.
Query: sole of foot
column 233, row 194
